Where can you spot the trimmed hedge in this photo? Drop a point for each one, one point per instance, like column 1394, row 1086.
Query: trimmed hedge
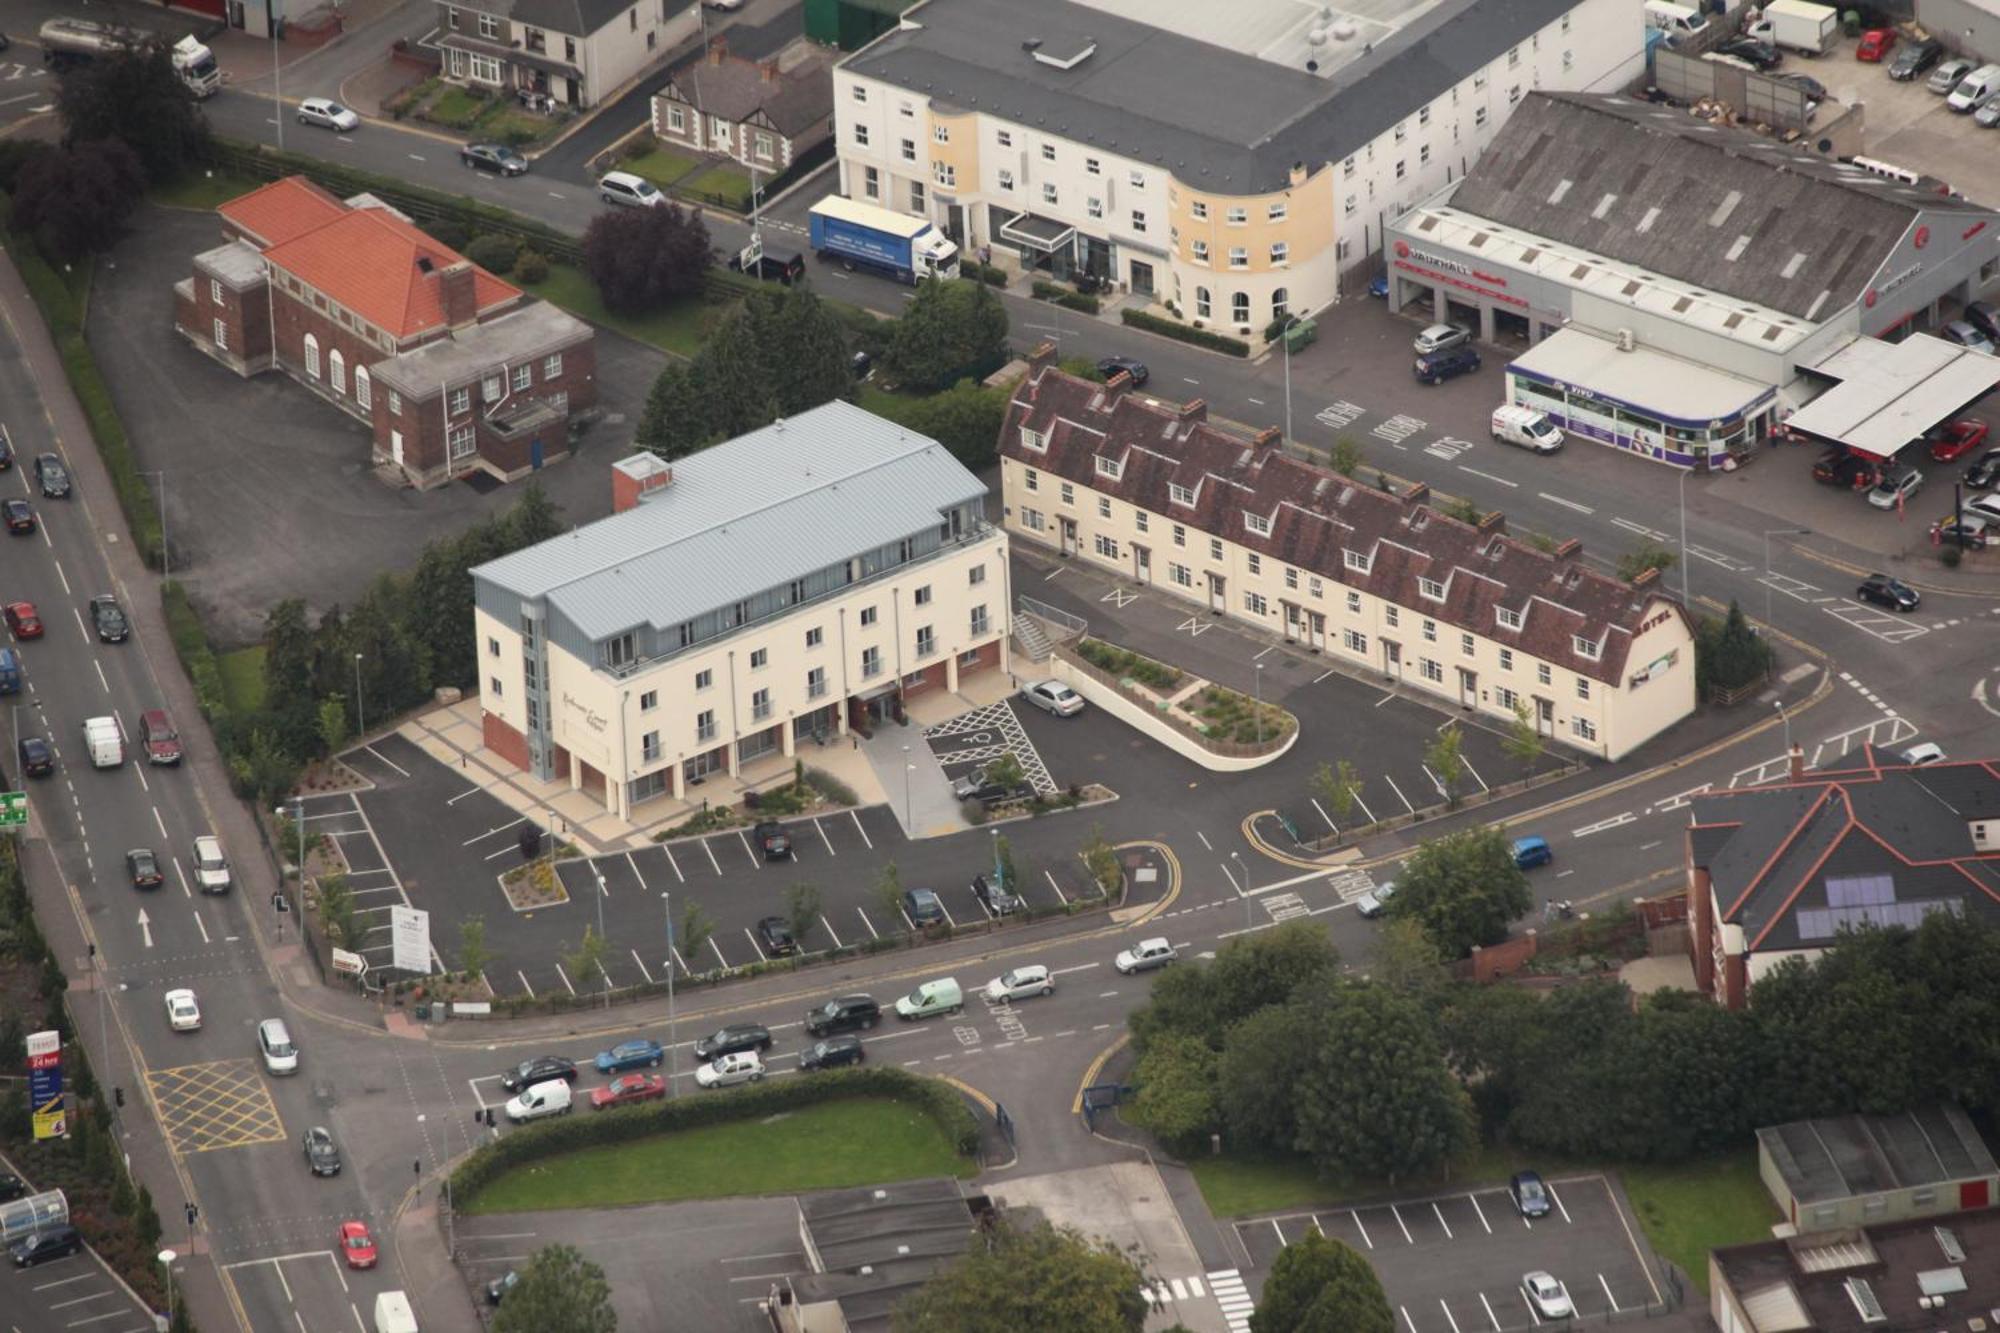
column 1063, row 296
column 1214, row 342
column 1125, row 662
column 192, row 647
column 990, row 274
column 550, row 1138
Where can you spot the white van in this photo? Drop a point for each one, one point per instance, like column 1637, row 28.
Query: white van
column 1974, row 89
column 104, row 741
column 933, row 997
column 393, row 1313
column 1675, row 20
column 550, row 1098
column 1526, row 427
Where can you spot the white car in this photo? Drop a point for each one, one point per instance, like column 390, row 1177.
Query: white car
column 622, row 187
column 211, row 867
column 183, row 1014
column 1376, row 901
column 1895, row 488
column 1929, row 752
column 1021, row 983
column 726, row 1071
column 1052, row 696
column 1145, row 956
column 328, row 114
column 1547, row 1295
column 1986, row 506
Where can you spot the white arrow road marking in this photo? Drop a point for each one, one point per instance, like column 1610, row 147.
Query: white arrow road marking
column 146, row 927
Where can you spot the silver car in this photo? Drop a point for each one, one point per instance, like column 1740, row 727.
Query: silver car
column 1946, row 76
column 327, row 114
column 1547, row 1294
column 1438, row 337
column 1052, row 696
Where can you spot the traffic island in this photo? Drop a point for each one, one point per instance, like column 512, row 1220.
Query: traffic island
column 1214, row 726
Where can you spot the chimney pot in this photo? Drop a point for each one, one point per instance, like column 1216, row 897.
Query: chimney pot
column 456, row 294
column 1194, row 409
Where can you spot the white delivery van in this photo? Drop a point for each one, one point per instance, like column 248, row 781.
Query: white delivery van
column 933, row 997
column 104, row 741
column 550, row 1098
column 1676, row 20
column 1975, row 88
column 393, row 1313
column 1528, row 428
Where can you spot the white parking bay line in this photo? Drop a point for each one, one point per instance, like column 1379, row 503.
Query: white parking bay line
column 755, row 864
column 872, row 932
column 1487, row 476
column 1447, row 1314
column 1399, row 793
column 565, row 978
column 1607, row 1293
column 1064, row 971
column 673, row 863
column 1441, row 1222
column 829, row 930
column 711, row 856
column 862, row 831
column 1395, row 1213
column 635, row 872
column 1566, row 504
column 1473, row 1199
column 642, row 967
column 1408, row 1322
column 1059, row 893
column 1559, row 1204
column 1494, row 1319
column 821, row 828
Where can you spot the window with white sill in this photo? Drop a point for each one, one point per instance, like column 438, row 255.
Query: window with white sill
column 1507, row 618
column 816, row 683
column 1137, row 180
column 1505, row 699
column 1138, row 221
column 1430, row 631
column 1259, row 524
column 909, row 150
column 1106, row 546
column 1201, row 305
column 1239, row 257
column 1583, row 687
column 1091, row 167
column 1392, row 616
column 1281, row 302
column 1031, row 479
column 945, row 174
column 1180, row 534
column 1103, row 507
column 1585, row 648
column 1048, row 192
column 1465, row 644
column 1542, row 672
column 1585, row 729
column 1068, row 493
column 1239, row 307
column 1111, row 468
column 1432, row 672
column 1094, row 207
column 1431, row 588
column 1254, row 603
column 1032, row 439
column 1281, row 252
column 860, row 134
column 1359, row 561
column 1140, row 519
column 1181, row 574
column 1006, row 179
column 941, row 133
column 760, row 705
column 1354, row 641
column 1506, row 659
column 1215, row 548
column 1199, row 251
column 1291, row 578
column 1254, row 562
column 524, row 378
column 1198, row 210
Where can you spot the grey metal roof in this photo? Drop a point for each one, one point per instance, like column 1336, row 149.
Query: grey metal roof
column 237, row 263
column 744, row 516
column 1723, row 209
column 1852, row 1156
column 534, row 330
column 1891, row 393
column 1220, row 119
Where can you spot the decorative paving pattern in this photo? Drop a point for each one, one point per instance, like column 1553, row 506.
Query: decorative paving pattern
column 223, row 1104
column 986, row 733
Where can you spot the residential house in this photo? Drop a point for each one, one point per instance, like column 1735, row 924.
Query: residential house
column 574, row 52
column 764, row 114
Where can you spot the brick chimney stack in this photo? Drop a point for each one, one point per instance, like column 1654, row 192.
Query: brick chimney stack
column 1193, row 410
column 768, row 71
column 636, row 477
column 455, row 294
column 718, row 48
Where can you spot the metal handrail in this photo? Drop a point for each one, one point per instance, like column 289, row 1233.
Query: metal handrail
column 1054, row 615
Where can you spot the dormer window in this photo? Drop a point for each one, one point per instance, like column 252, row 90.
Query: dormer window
column 1358, row 561
column 1585, row 648
column 1508, row 619
column 1257, row 523
column 1431, row 588
column 1110, row 467
column 1036, row 440
column 1179, row 494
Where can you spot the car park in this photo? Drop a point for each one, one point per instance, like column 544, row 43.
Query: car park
column 775, row 935
column 1145, row 956
column 832, row 1053
column 51, row 477
column 211, row 867
column 50, row 1242
column 1924, row 753
column 1889, row 592
column 994, row 898
column 144, row 868
column 1955, row 439
column 1916, row 57
column 1549, row 1297
column 923, row 907
column 328, row 115
column 20, row 517
column 1021, row 983
column 1875, row 45
column 38, row 757
column 640, row 1052
column 108, row 619
column 357, row 1246
column 1438, row 337
column 1375, row 902
column 1532, row 851
column 629, row 191
column 24, row 620
column 844, row 1013
column 1895, row 488
column 727, row 1071
column 495, row 157
column 1111, row 365
column 183, row 1011
column 626, row 1089
column 976, row 786
column 1943, row 79
column 1437, row 367
column 321, row 1152
column 930, row 998
column 735, row 1037
column 497, row 1289
column 275, row 1045
column 1052, row 696
column 1530, row 1195
column 158, row 737
column 537, row 1100
column 771, row 839
column 538, row 1070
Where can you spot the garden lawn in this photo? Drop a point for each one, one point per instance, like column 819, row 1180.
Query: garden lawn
column 1236, row 1184
column 679, row 328
column 204, row 191
column 457, row 108
column 243, row 679
column 833, row 1145
column 660, row 166
column 1691, row 1208
column 725, row 184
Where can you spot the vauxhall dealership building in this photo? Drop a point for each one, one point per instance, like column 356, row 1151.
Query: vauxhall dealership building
column 1684, row 288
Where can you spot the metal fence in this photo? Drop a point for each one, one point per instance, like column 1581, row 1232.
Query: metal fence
column 1053, row 615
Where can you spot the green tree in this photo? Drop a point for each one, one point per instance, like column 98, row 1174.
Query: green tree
column 288, row 682
column 1647, row 555
column 332, row 724
column 1409, row 963
column 1003, row 860
column 1176, row 1100
column 123, row 1200
column 1463, row 889
column 676, row 418
column 1047, row 1279
column 263, row 769
column 965, row 419
column 1524, row 740
column 146, row 1221
column 644, row 259
column 473, row 955
column 560, row 1291
column 1445, row 756
column 1729, row 654
column 1249, row 973
column 534, row 518
column 1318, row 1285
column 805, row 347
column 949, row 331
column 802, row 904
column 1373, row 1095
column 1006, row 770
column 889, row 892
column 1101, row 859
column 136, row 98
column 1345, row 456
column 1257, row 1077
column 336, row 912
column 1336, row 789
column 697, row 927
column 586, row 961
column 74, row 200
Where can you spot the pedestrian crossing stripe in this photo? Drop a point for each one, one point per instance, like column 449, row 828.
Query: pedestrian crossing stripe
column 1226, row 1285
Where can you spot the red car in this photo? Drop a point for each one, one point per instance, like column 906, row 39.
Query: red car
column 1875, row 44
column 24, row 620
column 356, row 1245
column 627, row 1088
column 1955, row 439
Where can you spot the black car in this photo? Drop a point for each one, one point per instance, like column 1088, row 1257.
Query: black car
column 1111, row 365
column 538, row 1070
column 51, row 476
column 923, row 907
column 1886, row 591
column 1437, row 367
column 995, row 898
column 38, row 757
column 729, row 1040
column 144, row 868
column 20, row 517
column 322, row 1154
column 109, row 619
column 495, row 157
column 1837, row 467
column 1984, row 316
column 11, row 1186
column 48, row 1243
column 976, row 786
column 776, row 935
column 832, row 1053
column 1761, row 54
column 1985, row 471
column 1531, row 1197
column 844, row 1014
column 772, row 840
column 1913, row 58
column 497, row 1289
column 1814, row 90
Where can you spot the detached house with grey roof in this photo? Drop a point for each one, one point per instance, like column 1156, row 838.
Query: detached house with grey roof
column 575, row 53
column 763, row 113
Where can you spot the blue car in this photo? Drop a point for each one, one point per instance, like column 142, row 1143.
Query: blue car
column 1531, row 852
column 630, row 1055
column 1379, row 289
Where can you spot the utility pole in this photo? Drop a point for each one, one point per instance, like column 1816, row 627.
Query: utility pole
column 673, row 1020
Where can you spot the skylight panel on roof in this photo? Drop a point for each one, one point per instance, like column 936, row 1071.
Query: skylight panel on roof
column 1725, row 208
column 1793, row 265
column 1736, row 249
column 1603, row 207
column 1562, row 188
column 1646, row 222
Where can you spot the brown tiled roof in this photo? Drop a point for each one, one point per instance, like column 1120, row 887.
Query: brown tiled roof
column 1315, row 514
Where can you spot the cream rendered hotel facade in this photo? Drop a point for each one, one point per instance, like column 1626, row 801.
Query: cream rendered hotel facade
column 777, row 590
column 1385, row 583
column 1234, row 160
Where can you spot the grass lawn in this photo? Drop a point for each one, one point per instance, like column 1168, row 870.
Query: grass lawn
column 661, row 167
column 457, row 108
column 678, row 329
column 1237, row 1184
column 243, row 678
column 204, row 190
column 1689, row 1209
column 834, row 1145
column 727, row 184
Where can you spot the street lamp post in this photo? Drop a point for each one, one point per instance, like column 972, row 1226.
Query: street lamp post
column 277, row 100
column 1285, row 336
column 1244, row 870
column 167, row 1258
column 166, row 562
column 1770, row 533
column 1780, row 705
column 908, row 818
column 1685, row 601
column 1258, row 712
column 673, row 1022
column 360, row 714
column 602, row 894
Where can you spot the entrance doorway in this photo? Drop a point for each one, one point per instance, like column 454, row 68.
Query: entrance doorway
column 1216, row 602
column 1316, row 627
column 1068, row 536
column 1142, row 278
column 1142, row 565
column 1468, row 688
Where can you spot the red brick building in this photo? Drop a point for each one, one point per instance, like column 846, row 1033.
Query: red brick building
column 453, row 369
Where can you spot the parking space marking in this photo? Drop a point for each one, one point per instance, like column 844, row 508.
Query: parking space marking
column 481, row 837
column 642, row 967
column 1556, row 1199
column 990, row 731
column 1491, row 1318
column 565, row 977
column 1399, row 793
column 1868, row 620
column 1398, row 428
column 524, row 982
column 1447, row 1314
column 1397, row 1214
column 830, row 934
column 856, row 817
column 1728, row 562
column 755, row 864
column 676, row 865
column 1057, row 887
column 711, row 856
column 821, row 830
column 718, row 951
column 1441, row 1222
column 635, row 870
column 1339, row 415
column 1615, row 1307
column 1473, row 1199
column 1653, row 534
column 1567, row 504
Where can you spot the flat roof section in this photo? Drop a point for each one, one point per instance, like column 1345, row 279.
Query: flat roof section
column 1678, row 392
column 1891, row 393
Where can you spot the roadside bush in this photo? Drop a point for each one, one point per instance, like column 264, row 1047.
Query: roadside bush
column 990, row 274
column 831, row 787
column 191, row 646
column 1063, row 296
column 448, row 232
column 530, row 267
column 1215, row 342
column 1124, row 662
column 496, row 254
column 641, row 259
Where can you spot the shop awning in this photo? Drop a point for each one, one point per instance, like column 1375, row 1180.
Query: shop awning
column 1036, row 232
column 1891, row 393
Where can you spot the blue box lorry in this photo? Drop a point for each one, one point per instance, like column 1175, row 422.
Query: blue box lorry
column 857, row 235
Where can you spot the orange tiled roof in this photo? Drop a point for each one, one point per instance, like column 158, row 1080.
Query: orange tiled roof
column 283, row 210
